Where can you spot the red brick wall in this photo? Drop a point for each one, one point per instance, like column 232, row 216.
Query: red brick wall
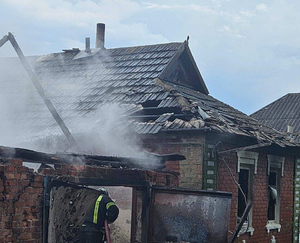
column 21, row 194
column 20, row 203
column 260, row 200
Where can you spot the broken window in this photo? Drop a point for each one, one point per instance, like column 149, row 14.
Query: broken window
column 247, row 167
column 245, row 196
column 275, row 171
column 272, row 195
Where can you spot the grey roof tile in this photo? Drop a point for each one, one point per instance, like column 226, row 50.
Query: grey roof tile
column 164, row 117
column 281, row 113
column 78, row 83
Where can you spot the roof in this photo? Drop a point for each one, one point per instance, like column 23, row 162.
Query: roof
column 281, row 113
column 156, row 161
column 158, row 86
column 211, row 114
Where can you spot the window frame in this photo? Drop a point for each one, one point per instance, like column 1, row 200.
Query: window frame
column 247, row 226
column 248, row 160
column 275, row 164
column 277, row 205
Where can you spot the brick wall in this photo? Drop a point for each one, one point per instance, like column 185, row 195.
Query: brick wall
column 21, row 193
column 260, row 200
column 191, row 145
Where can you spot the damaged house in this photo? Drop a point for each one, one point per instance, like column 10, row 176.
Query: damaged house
column 158, row 94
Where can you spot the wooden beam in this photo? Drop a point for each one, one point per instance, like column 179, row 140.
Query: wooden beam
column 3, row 40
column 154, row 162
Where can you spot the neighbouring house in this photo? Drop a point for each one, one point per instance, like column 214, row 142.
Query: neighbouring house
column 158, row 93
column 282, row 114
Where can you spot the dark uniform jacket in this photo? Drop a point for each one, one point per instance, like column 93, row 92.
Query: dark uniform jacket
column 104, row 208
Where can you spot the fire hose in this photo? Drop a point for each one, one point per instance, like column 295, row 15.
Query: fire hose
column 107, row 232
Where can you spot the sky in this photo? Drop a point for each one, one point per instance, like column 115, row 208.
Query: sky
column 248, row 52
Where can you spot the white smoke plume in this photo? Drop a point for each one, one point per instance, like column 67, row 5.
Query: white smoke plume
column 15, row 98
column 103, row 132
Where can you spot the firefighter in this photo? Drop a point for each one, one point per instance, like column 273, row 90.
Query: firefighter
column 92, row 230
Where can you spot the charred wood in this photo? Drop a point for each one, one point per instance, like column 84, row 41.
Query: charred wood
column 153, row 162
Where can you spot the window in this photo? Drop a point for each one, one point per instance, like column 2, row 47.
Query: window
column 273, row 196
column 243, row 198
column 247, row 167
column 275, row 172
column 245, row 182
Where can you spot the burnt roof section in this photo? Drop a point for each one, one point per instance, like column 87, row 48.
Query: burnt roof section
column 158, row 86
column 150, row 161
column 281, row 113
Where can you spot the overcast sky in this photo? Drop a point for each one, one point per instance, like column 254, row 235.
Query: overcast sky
column 247, row 51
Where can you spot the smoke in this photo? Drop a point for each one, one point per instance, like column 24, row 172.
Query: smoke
column 15, row 97
column 107, row 131
column 27, row 123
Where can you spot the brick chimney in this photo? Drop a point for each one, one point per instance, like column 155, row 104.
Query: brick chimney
column 100, row 34
column 87, row 45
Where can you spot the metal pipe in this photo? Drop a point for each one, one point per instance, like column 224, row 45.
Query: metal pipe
column 3, row 40
column 243, row 148
column 87, row 45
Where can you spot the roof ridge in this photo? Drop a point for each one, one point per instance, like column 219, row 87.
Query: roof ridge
column 116, row 48
column 266, row 106
column 158, row 44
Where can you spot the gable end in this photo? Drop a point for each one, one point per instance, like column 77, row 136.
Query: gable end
column 182, row 70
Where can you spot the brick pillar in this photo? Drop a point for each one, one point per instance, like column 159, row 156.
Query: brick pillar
column 210, row 169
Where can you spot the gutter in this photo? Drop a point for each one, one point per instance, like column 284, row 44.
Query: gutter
column 242, row 148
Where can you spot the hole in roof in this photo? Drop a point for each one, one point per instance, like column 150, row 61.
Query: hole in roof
column 151, row 103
